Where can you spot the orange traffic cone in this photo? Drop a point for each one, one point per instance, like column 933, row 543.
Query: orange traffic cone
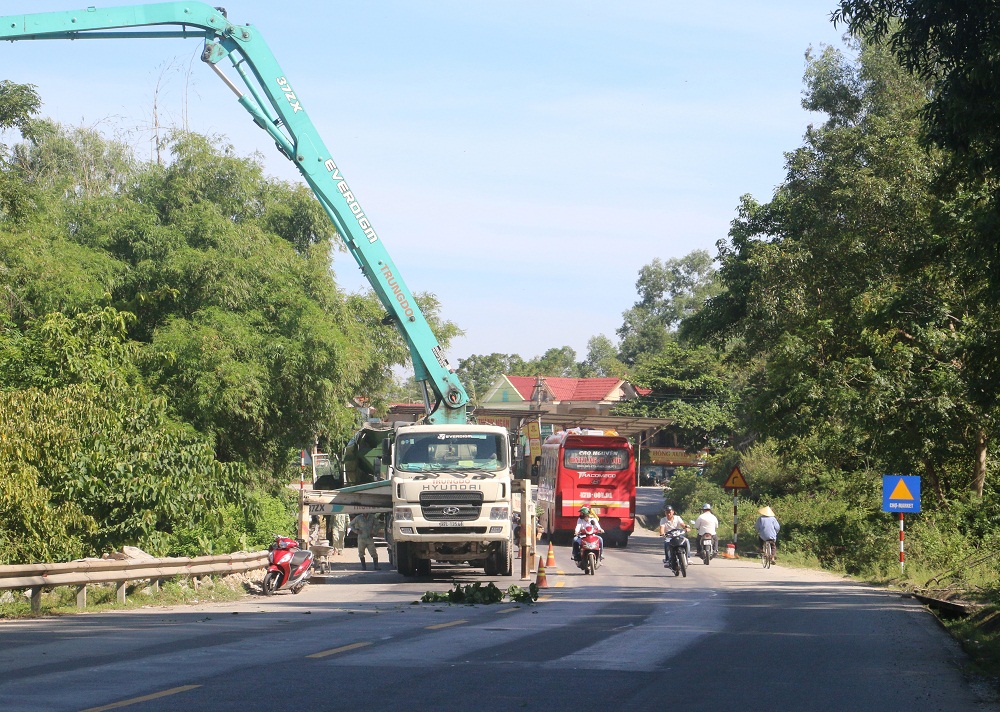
column 540, row 581
column 551, row 561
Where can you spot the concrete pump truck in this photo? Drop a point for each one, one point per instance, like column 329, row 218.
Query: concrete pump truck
column 448, row 481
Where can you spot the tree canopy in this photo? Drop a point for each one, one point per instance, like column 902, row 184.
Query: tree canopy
column 184, row 316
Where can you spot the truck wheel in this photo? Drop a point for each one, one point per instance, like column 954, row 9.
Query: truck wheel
column 423, row 567
column 404, row 560
column 490, row 565
column 502, row 560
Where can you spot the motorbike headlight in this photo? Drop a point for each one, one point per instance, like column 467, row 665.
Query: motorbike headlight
column 499, row 513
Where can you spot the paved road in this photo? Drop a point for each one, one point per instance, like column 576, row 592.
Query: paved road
column 633, row 636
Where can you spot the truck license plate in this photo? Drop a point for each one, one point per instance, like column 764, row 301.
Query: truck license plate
column 451, row 524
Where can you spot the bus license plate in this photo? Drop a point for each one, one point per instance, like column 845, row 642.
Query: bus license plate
column 452, row 524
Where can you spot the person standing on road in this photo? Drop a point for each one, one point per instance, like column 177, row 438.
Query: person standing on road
column 670, row 521
column 767, row 527
column 707, row 523
column 339, row 531
column 364, row 526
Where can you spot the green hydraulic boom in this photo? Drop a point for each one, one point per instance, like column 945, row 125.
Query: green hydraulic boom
column 277, row 108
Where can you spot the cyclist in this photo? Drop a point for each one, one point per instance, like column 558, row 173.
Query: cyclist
column 767, row 527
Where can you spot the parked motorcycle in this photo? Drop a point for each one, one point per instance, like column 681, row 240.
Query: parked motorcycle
column 707, row 548
column 676, row 540
column 289, row 566
column 590, row 551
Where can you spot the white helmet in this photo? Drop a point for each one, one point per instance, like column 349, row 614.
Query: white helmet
column 706, row 507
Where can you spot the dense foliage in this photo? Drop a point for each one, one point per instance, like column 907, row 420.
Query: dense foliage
column 170, row 337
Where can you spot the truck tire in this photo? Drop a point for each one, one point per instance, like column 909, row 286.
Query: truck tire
column 490, row 565
column 504, row 559
column 423, row 567
column 404, row 560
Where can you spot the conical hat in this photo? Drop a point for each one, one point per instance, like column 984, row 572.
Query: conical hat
column 766, row 511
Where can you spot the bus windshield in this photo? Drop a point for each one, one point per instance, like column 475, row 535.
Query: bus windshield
column 451, row 451
column 595, row 459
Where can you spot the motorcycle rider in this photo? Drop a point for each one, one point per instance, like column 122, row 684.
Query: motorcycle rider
column 670, row 521
column 587, row 519
column 707, row 523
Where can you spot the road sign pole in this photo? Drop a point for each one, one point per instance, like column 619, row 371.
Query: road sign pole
column 303, row 509
column 902, row 535
column 736, row 497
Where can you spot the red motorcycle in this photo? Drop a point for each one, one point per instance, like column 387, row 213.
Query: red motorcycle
column 290, row 567
column 590, row 551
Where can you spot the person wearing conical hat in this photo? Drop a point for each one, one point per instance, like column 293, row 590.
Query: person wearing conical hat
column 767, row 527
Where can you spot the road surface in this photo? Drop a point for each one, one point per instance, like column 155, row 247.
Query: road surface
column 730, row 635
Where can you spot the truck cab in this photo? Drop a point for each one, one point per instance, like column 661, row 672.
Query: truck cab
column 451, row 497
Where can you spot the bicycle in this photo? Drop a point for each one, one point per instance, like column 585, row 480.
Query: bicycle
column 767, row 554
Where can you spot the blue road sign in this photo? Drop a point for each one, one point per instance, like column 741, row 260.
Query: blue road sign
column 901, row 493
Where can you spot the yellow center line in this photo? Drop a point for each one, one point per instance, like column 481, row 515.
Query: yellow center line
column 560, row 584
column 445, row 625
column 506, row 610
column 144, row 698
column 341, row 649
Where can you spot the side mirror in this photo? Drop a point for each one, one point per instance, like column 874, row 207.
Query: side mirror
column 386, row 448
column 377, row 462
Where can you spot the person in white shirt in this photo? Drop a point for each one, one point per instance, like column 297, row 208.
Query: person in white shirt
column 707, row 523
column 670, row 521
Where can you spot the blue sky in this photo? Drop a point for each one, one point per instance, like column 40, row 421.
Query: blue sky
column 521, row 160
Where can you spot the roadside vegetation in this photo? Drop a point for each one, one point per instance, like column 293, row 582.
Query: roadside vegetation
column 102, row 597
column 171, row 332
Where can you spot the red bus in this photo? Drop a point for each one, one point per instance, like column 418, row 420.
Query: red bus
column 587, row 468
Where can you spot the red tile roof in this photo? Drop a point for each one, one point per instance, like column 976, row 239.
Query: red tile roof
column 524, row 385
column 567, row 389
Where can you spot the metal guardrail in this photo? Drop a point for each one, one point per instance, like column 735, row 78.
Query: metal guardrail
column 37, row 577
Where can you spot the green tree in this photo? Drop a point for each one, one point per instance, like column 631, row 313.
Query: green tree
column 555, row 362
column 691, row 386
column 847, row 295
column 602, row 359
column 19, row 103
column 669, row 291
column 478, row 372
column 950, row 45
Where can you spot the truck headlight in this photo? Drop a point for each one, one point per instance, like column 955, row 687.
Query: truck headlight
column 499, row 513
column 403, row 514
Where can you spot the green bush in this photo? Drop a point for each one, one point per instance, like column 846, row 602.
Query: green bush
column 236, row 528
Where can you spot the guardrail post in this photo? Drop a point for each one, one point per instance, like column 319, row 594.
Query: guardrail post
column 81, row 596
column 120, row 591
column 36, row 599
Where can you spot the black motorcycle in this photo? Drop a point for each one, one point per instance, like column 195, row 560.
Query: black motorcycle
column 676, row 545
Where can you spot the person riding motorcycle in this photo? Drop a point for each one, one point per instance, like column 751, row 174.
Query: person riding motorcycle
column 587, row 519
column 707, row 523
column 672, row 521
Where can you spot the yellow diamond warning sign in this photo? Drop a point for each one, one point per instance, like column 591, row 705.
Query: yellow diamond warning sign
column 736, row 480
